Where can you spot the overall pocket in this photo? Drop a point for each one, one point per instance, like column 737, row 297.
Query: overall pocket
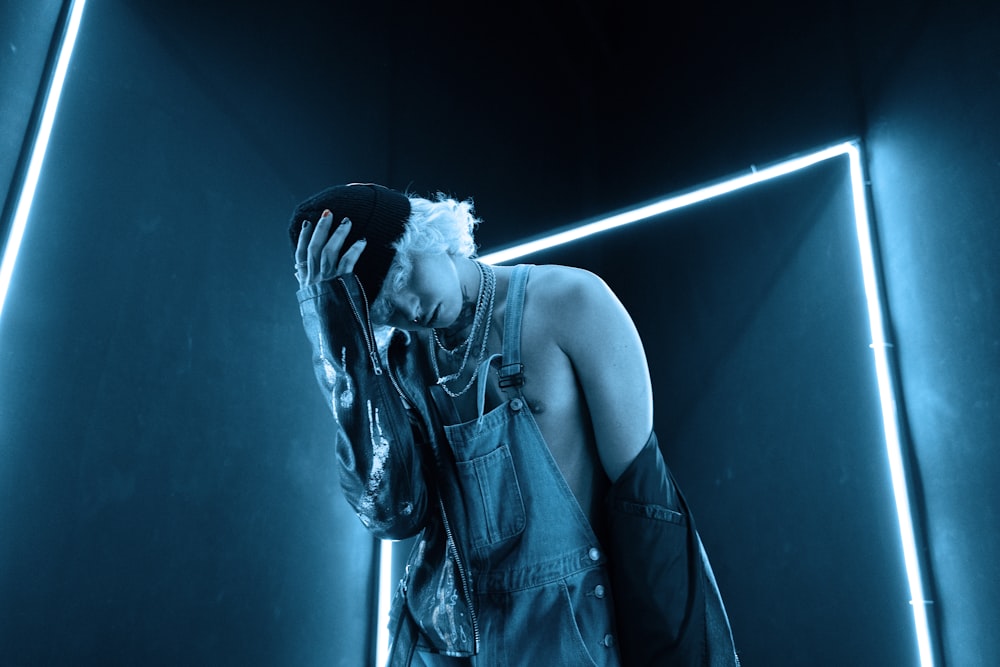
column 493, row 497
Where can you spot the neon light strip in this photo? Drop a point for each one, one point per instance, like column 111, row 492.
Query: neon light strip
column 660, row 206
column 385, row 586
column 876, row 309
column 41, row 143
column 890, row 416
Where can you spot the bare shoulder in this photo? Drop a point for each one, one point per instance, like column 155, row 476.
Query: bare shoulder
column 570, row 298
column 558, row 276
column 565, row 285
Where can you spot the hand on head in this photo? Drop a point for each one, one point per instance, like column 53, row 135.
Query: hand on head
column 318, row 250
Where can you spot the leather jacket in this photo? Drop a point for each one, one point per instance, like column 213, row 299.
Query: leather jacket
column 387, row 448
column 381, row 469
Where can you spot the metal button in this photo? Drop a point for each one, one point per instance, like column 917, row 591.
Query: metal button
column 516, row 404
column 599, row 592
column 594, row 553
column 609, row 641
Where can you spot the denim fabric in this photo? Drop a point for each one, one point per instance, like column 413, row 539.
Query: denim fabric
column 539, row 575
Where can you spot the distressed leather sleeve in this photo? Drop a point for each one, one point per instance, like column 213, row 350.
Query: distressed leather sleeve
column 379, row 461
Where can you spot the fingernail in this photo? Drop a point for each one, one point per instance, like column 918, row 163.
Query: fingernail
column 345, row 221
column 326, row 213
column 305, row 224
column 363, row 241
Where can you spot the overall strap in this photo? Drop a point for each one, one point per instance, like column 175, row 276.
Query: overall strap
column 484, row 375
column 512, row 371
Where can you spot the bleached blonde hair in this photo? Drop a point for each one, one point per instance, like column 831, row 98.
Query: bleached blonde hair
column 442, row 225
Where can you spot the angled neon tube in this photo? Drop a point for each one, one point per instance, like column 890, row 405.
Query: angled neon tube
column 13, row 243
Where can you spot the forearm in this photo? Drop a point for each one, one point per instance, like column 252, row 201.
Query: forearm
column 380, row 468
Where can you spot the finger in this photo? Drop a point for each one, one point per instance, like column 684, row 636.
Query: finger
column 331, row 251
column 302, row 245
column 320, row 236
column 301, row 253
column 350, row 257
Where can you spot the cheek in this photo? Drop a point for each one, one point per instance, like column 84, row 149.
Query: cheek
column 390, row 315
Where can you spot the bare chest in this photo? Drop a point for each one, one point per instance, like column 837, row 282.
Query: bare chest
column 553, row 394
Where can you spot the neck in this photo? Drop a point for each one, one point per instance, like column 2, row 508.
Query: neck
column 469, row 279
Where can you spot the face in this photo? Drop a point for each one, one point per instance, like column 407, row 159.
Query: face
column 430, row 299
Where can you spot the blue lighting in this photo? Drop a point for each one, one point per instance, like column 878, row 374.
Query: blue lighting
column 664, row 205
column 41, row 143
column 876, row 318
column 385, row 588
column 890, row 416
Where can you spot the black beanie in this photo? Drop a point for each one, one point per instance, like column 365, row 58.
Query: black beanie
column 376, row 213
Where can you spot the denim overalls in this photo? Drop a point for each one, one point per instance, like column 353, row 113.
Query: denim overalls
column 506, row 569
column 540, row 586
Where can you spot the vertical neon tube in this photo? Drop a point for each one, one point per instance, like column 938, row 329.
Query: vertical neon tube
column 385, row 585
column 38, row 149
column 890, row 415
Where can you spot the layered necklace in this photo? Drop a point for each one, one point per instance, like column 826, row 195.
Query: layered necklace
column 481, row 322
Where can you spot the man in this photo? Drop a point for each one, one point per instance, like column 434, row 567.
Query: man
column 504, row 414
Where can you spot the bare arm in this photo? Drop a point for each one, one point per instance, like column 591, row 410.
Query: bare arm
column 598, row 335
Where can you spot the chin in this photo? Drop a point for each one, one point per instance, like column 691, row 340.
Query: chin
column 453, row 313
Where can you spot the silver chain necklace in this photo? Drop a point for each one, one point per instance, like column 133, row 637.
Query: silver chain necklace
column 467, row 343
column 482, row 319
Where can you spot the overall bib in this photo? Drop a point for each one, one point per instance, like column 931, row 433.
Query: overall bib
column 540, row 585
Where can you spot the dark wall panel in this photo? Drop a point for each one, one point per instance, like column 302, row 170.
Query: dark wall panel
column 168, row 491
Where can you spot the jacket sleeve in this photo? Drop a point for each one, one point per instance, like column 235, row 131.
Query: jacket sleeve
column 668, row 608
column 380, row 463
